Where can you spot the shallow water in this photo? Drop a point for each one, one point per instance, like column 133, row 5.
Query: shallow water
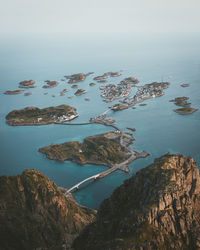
column 169, row 57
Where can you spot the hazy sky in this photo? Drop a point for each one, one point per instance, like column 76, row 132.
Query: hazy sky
column 23, row 16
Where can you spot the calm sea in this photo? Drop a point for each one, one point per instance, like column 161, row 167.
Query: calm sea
column 149, row 57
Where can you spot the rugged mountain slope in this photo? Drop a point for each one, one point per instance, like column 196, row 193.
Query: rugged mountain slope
column 158, row 208
column 34, row 214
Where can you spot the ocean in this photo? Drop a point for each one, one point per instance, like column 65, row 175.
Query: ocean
column 149, row 57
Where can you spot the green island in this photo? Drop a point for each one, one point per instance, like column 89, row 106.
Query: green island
column 185, row 110
column 36, row 116
column 181, row 101
column 102, row 149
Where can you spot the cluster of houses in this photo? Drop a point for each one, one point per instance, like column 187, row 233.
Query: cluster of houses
column 112, row 91
column 62, row 118
column 65, row 118
column 102, row 119
column 148, row 91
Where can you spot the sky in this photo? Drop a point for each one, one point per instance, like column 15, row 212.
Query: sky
column 101, row 16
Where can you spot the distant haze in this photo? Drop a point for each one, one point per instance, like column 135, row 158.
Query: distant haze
column 22, row 16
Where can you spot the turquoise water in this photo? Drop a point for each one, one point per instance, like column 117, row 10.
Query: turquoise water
column 156, row 57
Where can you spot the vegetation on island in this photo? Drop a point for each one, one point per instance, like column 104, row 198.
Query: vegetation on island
column 102, row 149
column 186, row 106
column 185, row 111
column 37, row 116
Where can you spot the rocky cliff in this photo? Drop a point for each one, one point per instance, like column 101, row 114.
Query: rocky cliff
column 158, row 208
column 34, row 214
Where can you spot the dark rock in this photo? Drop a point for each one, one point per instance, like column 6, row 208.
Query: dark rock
column 80, row 92
column 158, row 208
column 35, row 214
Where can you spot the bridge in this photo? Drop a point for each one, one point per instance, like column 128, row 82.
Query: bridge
column 80, row 183
column 134, row 155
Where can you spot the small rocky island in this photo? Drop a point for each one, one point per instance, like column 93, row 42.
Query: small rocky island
column 119, row 106
column 50, row 84
column 186, row 108
column 27, row 84
column 62, row 93
column 13, row 92
column 36, row 116
column 185, row 85
column 79, row 77
column 80, row 92
column 185, row 111
column 114, row 74
column 102, row 77
column 102, row 149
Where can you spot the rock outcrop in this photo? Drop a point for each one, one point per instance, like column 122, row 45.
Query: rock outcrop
column 158, row 208
column 35, row 214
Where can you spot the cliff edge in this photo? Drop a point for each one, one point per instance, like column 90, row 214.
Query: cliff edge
column 158, row 208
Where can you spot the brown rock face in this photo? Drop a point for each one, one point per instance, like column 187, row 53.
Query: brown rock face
column 158, row 208
column 35, row 214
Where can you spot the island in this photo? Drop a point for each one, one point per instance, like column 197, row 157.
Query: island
column 181, row 101
column 118, row 107
column 151, row 90
column 50, row 84
column 185, row 111
column 13, row 92
column 105, row 76
column 36, row 116
column 80, row 92
column 75, row 86
column 114, row 74
column 77, row 77
column 62, row 93
column 27, row 84
column 102, row 77
column 185, row 85
column 112, row 92
column 186, row 106
column 92, row 84
column 103, row 149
